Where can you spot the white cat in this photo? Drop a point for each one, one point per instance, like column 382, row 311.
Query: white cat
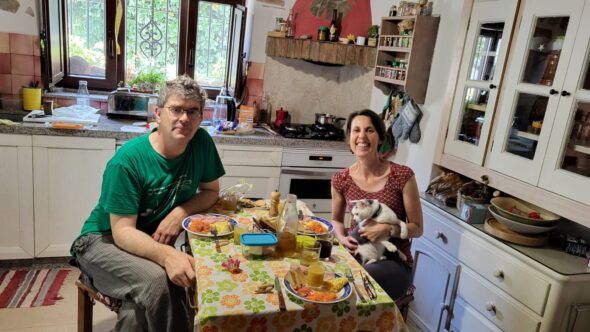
column 365, row 211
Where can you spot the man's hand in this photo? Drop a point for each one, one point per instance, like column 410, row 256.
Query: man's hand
column 373, row 231
column 180, row 268
column 170, row 227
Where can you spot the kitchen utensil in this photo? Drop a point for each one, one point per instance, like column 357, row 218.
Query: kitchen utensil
column 282, row 305
column 350, row 278
column 504, row 206
column 499, row 230
column 217, row 246
column 282, row 118
column 369, row 287
column 267, row 127
column 520, row 227
column 328, row 119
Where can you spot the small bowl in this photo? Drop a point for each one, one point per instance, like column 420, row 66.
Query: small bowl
column 504, row 204
column 519, row 227
column 344, row 40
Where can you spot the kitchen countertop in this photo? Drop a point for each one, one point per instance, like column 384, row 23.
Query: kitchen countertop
column 112, row 128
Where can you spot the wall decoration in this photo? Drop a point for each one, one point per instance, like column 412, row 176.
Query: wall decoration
column 355, row 16
column 9, row 5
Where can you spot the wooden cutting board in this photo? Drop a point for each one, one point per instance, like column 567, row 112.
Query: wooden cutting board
column 500, row 231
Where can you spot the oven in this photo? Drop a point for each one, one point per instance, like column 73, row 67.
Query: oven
column 308, row 175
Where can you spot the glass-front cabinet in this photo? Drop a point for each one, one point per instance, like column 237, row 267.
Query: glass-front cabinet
column 534, row 92
column 566, row 169
column 479, row 78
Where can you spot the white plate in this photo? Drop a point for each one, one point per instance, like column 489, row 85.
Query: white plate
column 519, row 227
column 342, row 295
column 326, row 223
column 187, row 221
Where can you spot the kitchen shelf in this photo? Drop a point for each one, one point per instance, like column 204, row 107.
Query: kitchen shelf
column 477, row 107
column 322, row 52
column 582, row 149
column 530, row 136
column 418, row 56
column 389, row 67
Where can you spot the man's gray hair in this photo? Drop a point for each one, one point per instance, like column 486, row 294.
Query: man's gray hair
column 185, row 87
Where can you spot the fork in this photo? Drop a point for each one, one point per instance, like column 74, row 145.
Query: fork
column 350, row 278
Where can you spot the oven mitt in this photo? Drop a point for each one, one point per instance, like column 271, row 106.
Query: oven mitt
column 406, row 125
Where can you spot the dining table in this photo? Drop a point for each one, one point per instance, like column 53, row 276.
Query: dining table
column 228, row 301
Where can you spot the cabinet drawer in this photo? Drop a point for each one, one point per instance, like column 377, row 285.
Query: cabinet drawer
column 250, row 155
column 494, row 265
column 467, row 319
column 500, row 310
column 437, row 230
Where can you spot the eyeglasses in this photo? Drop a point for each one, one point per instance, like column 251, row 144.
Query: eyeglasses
column 193, row 113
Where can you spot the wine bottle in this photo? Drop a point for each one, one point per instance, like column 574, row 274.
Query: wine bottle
column 334, row 27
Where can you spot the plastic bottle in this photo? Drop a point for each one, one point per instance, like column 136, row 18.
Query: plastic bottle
column 83, row 97
column 287, row 227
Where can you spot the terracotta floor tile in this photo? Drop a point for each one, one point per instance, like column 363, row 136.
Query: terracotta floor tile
column 21, row 44
column 5, row 84
column 5, row 66
column 22, row 64
column 4, row 42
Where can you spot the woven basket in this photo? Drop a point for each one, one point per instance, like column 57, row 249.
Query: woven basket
column 473, row 192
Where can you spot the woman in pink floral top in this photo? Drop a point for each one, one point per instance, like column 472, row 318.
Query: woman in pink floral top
column 372, row 177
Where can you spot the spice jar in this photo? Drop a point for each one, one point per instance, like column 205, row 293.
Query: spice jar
column 323, row 33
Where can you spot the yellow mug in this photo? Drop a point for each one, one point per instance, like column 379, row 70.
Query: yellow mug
column 31, row 99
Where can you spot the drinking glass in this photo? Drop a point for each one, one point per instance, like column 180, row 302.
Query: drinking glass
column 315, row 275
column 310, row 254
column 326, row 247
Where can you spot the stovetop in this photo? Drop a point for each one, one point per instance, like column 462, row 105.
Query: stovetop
column 312, row 131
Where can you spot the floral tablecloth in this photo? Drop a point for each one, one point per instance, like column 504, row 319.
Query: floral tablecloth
column 227, row 302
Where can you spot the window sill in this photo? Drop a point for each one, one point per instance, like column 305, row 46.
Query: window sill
column 94, row 96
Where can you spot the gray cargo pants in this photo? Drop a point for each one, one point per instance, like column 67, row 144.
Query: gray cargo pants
column 151, row 302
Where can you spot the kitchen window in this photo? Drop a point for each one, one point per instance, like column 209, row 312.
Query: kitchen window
column 106, row 42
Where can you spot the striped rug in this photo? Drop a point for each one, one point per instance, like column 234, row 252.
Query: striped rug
column 30, row 288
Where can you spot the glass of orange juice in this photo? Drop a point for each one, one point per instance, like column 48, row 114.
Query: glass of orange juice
column 239, row 229
column 315, row 275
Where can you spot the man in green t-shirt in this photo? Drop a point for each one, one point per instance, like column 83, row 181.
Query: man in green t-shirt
column 151, row 184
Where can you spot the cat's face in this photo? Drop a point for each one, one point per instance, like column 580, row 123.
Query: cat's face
column 361, row 209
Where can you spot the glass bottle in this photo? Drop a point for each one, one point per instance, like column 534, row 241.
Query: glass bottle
column 287, row 227
column 334, row 29
column 290, row 24
column 393, row 10
column 82, row 98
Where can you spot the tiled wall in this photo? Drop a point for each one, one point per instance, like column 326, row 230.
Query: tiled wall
column 255, row 83
column 20, row 63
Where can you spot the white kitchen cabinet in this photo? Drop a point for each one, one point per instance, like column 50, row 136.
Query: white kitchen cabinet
column 484, row 55
column 533, row 98
column 258, row 165
column 16, row 197
column 67, row 173
column 500, row 286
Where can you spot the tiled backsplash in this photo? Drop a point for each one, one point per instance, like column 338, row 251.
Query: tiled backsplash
column 20, row 63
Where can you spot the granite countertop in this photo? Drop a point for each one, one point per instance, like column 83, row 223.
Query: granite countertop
column 119, row 129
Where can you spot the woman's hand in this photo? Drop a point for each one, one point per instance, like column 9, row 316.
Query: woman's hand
column 349, row 243
column 374, row 231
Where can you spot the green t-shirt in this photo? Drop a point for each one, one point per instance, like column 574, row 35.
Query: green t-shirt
column 139, row 181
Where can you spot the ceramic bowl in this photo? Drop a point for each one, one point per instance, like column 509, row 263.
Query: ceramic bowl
column 505, row 204
column 344, row 40
column 517, row 226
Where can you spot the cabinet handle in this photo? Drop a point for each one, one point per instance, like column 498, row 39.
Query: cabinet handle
column 441, row 236
column 565, row 93
column 499, row 274
column 553, row 92
column 491, row 308
column 492, row 86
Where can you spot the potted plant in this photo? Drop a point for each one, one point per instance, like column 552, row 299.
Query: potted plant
column 373, row 34
column 148, row 82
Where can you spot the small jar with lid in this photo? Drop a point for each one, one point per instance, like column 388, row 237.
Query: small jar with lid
column 323, row 33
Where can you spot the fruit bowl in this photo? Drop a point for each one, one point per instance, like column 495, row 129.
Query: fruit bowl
column 517, row 210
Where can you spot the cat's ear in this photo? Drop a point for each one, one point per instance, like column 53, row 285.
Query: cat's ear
column 354, row 202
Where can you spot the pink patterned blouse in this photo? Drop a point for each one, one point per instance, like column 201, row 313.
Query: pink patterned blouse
column 391, row 195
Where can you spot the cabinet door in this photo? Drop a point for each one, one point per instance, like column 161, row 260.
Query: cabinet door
column 482, row 65
column 566, row 170
column 436, row 280
column 264, row 180
column 16, row 197
column 530, row 96
column 68, row 174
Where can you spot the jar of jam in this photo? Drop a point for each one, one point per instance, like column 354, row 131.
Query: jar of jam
column 323, row 33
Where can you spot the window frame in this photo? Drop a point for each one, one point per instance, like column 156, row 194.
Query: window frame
column 54, row 45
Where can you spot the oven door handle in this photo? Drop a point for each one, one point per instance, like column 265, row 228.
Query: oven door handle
column 305, row 173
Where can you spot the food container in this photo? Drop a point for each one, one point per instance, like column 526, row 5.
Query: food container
column 258, row 245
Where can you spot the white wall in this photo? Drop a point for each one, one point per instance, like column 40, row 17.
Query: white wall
column 20, row 22
column 263, row 19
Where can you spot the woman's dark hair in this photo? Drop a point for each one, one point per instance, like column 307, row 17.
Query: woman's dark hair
column 375, row 121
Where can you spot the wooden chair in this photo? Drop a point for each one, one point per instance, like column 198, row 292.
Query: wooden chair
column 403, row 303
column 87, row 297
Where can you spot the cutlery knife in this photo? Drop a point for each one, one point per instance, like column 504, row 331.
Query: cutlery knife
column 217, row 246
column 282, row 305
